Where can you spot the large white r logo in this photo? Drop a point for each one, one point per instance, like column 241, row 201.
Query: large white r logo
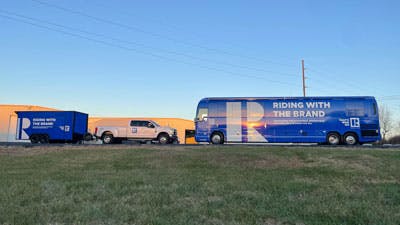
column 255, row 112
column 26, row 123
column 234, row 121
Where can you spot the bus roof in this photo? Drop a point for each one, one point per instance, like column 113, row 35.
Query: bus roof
column 288, row 98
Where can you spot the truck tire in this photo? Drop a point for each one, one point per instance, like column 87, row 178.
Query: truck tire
column 34, row 139
column 217, row 138
column 350, row 139
column 107, row 138
column 163, row 139
column 333, row 139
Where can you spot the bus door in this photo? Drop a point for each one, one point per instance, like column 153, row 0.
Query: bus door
column 201, row 123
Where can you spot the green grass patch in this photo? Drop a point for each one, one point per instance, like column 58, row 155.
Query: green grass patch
column 200, row 185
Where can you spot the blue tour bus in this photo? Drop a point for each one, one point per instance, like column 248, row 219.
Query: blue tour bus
column 332, row 120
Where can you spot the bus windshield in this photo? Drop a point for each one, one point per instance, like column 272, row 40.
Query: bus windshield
column 201, row 114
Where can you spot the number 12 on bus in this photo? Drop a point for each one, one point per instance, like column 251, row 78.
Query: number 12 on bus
column 331, row 120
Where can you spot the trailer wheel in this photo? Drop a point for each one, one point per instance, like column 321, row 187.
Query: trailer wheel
column 34, row 139
column 107, row 138
column 88, row 137
column 350, row 139
column 44, row 139
column 333, row 138
column 217, row 138
column 163, row 139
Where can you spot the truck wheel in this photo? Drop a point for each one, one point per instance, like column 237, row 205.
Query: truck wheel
column 217, row 139
column 350, row 139
column 108, row 138
column 163, row 139
column 34, row 139
column 333, row 139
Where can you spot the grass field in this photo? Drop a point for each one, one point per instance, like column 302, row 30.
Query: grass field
column 199, row 185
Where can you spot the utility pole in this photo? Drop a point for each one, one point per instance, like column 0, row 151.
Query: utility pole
column 304, row 78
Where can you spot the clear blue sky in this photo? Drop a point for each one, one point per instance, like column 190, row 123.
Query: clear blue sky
column 159, row 58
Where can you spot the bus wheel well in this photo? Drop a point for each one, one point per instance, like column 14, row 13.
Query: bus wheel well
column 217, row 137
column 350, row 138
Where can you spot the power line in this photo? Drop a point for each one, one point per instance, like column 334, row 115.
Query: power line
column 330, row 85
column 390, row 97
column 137, row 29
column 140, row 51
column 304, row 78
column 174, row 27
column 146, row 46
column 353, row 84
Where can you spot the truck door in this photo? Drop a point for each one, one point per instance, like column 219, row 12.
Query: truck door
column 142, row 129
column 147, row 130
column 134, row 128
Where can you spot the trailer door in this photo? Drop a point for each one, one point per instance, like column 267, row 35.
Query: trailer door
column 12, row 129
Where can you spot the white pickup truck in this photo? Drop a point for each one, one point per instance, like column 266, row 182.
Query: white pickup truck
column 138, row 130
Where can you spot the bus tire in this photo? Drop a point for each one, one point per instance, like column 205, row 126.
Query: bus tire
column 107, row 138
column 350, row 138
column 217, row 138
column 333, row 138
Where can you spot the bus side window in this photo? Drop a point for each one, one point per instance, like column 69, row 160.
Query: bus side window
column 374, row 108
column 355, row 112
column 355, row 109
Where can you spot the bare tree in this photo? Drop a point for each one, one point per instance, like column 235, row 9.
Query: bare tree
column 386, row 121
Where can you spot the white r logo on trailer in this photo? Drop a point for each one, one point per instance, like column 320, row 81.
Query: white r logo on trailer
column 26, row 123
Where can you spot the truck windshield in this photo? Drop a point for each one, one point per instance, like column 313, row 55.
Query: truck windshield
column 155, row 124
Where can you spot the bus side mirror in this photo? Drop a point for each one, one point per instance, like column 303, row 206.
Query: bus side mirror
column 200, row 120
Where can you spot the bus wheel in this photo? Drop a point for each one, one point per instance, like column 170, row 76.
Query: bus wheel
column 350, row 139
column 217, row 138
column 333, row 138
column 34, row 139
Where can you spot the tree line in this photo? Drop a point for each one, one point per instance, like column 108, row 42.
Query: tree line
column 390, row 127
